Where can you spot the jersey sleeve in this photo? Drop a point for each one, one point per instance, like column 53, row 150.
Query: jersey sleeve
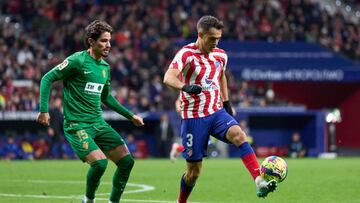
column 180, row 60
column 225, row 61
column 62, row 71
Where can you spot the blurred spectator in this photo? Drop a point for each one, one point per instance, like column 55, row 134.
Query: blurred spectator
column 244, row 126
column 176, row 150
column 11, row 149
column 131, row 144
column 41, row 148
column 296, row 148
column 27, row 149
column 164, row 134
column 55, row 130
column 66, row 151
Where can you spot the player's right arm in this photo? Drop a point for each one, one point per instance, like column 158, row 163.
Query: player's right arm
column 171, row 77
column 59, row 72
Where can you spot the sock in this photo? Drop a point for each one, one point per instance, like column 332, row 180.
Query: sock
column 96, row 170
column 121, row 177
column 185, row 191
column 249, row 159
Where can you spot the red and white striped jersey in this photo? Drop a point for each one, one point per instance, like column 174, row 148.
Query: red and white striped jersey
column 203, row 70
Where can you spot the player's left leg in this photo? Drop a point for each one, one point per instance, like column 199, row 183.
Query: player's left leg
column 124, row 162
column 116, row 150
column 227, row 129
column 238, row 137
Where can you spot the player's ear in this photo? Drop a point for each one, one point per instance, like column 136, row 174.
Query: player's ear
column 200, row 35
column 90, row 41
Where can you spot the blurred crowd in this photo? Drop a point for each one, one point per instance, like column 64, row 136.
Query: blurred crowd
column 30, row 147
column 37, row 35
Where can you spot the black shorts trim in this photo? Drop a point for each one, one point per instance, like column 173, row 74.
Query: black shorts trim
column 194, row 161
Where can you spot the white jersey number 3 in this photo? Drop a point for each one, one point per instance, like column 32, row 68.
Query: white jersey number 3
column 189, row 138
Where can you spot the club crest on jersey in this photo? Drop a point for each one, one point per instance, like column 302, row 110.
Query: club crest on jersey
column 86, row 145
column 189, row 152
column 217, row 64
column 63, row 64
column 104, row 73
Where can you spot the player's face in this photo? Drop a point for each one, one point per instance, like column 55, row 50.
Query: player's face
column 101, row 46
column 211, row 39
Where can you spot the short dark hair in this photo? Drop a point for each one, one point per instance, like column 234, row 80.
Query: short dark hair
column 207, row 22
column 95, row 29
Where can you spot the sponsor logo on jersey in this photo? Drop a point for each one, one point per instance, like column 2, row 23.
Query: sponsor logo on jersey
column 63, row 64
column 94, row 87
column 209, row 85
column 207, row 81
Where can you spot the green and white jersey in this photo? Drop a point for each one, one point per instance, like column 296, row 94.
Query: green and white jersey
column 84, row 80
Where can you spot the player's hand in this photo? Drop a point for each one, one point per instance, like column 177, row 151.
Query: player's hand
column 192, row 89
column 137, row 121
column 227, row 107
column 43, row 119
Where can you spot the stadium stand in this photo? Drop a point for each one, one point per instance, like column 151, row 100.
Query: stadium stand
column 36, row 36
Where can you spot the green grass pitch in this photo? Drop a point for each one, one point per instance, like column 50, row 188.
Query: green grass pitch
column 222, row 180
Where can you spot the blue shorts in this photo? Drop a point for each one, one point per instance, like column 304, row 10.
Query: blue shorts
column 195, row 133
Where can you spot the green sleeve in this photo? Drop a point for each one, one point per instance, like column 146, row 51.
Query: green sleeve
column 114, row 104
column 62, row 71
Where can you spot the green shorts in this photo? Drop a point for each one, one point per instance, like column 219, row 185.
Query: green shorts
column 87, row 138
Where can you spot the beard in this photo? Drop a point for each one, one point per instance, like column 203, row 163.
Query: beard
column 105, row 53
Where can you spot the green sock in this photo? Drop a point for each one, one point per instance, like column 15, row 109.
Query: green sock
column 121, row 177
column 96, row 170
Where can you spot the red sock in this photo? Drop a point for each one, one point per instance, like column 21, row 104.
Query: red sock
column 185, row 191
column 252, row 164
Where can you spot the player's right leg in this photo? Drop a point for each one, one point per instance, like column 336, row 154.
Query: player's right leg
column 195, row 136
column 98, row 163
column 115, row 148
column 188, row 180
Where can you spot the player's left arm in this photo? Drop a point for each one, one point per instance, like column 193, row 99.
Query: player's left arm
column 111, row 102
column 224, row 93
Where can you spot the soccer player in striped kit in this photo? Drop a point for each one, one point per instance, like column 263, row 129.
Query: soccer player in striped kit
column 198, row 70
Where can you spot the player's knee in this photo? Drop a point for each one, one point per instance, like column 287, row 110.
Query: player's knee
column 126, row 162
column 100, row 165
column 193, row 175
column 131, row 162
column 238, row 137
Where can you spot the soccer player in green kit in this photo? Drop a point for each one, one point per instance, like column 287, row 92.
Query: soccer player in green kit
column 86, row 80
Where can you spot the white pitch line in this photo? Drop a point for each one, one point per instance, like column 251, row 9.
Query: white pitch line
column 75, row 197
column 143, row 187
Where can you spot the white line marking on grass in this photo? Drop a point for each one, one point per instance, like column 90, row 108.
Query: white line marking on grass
column 74, row 197
column 143, row 187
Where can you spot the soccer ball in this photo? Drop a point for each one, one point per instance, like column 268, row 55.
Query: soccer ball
column 274, row 168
